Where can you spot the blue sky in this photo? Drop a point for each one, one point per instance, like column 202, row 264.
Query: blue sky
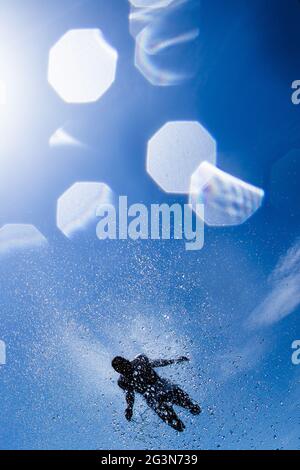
column 67, row 309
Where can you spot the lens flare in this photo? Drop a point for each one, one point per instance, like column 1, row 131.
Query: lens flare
column 62, row 138
column 77, row 207
column 82, row 66
column 20, row 236
column 227, row 200
column 175, row 152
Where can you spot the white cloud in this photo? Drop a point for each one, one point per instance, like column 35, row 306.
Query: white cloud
column 240, row 358
column 284, row 295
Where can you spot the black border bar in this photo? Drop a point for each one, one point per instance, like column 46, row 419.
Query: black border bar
column 134, row 459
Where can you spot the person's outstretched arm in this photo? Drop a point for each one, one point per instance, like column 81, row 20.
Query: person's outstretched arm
column 130, row 403
column 168, row 362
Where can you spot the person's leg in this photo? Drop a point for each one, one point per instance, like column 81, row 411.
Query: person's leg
column 168, row 415
column 165, row 412
column 180, row 398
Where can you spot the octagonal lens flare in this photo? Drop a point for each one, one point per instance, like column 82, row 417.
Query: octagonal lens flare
column 176, row 151
column 82, row 66
column 77, row 207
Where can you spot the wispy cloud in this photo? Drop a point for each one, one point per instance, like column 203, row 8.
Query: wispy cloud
column 240, row 358
column 284, row 295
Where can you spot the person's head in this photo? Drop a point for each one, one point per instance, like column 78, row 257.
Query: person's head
column 122, row 365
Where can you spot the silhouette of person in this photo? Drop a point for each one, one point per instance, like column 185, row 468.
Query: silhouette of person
column 139, row 376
